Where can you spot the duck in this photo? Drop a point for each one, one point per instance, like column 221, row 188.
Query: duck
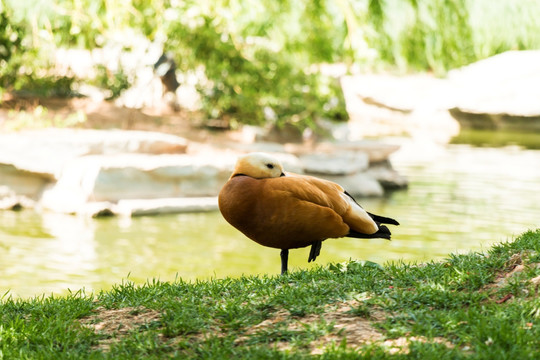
column 285, row 210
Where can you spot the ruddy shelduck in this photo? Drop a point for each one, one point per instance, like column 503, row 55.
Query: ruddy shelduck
column 288, row 211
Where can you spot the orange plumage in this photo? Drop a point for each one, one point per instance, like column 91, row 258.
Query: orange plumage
column 288, row 211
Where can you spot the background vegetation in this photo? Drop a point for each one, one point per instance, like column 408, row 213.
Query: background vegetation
column 258, row 61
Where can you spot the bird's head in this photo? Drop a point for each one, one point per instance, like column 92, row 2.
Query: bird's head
column 259, row 166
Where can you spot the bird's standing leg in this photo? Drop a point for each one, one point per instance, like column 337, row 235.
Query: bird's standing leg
column 315, row 250
column 284, row 260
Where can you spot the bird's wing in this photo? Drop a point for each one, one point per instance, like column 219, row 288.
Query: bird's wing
column 330, row 195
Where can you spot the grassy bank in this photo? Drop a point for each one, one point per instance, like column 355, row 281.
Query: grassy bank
column 479, row 305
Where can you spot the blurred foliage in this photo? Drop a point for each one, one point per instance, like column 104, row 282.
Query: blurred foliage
column 116, row 81
column 11, row 35
column 247, row 80
column 258, row 62
column 46, row 85
column 22, row 66
column 440, row 38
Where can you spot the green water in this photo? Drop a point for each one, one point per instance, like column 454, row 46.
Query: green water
column 460, row 198
column 491, row 138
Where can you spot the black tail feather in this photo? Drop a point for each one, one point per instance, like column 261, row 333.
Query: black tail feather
column 382, row 233
column 383, row 220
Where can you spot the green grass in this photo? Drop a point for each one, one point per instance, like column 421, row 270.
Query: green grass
column 477, row 306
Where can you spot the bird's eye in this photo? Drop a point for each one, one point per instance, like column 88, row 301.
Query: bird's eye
column 270, row 166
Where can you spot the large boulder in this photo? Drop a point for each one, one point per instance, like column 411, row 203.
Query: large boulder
column 499, row 92
column 383, row 105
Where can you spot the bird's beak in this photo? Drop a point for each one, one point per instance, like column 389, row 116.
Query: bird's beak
column 282, row 174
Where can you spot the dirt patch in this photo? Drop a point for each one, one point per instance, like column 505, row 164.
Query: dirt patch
column 517, row 263
column 346, row 326
column 401, row 344
column 115, row 324
column 355, row 330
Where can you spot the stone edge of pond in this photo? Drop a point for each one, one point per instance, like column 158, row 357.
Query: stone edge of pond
column 135, row 173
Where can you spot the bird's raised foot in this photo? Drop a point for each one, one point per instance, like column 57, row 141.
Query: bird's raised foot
column 284, row 260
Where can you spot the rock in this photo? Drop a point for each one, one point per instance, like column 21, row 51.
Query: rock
column 387, row 177
column 290, row 162
column 376, row 151
column 102, row 173
column 9, row 200
column 110, row 179
column 98, row 209
column 44, row 153
column 404, row 94
column 145, row 176
column 340, row 163
column 24, row 182
column 263, row 146
column 384, row 105
column 51, row 147
column 499, row 92
column 52, row 164
column 359, row 184
column 166, row 206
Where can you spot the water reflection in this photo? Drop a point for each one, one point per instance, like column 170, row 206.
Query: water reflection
column 45, row 253
column 497, row 138
column 460, row 199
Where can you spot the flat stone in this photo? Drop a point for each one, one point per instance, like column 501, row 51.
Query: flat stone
column 342, row 163
column 100, row 178
column 163, row 176
column 397, row 93
column 46, row 151
column 166, row 206
column 376, row 151
column 359, row 184
column 388, row 177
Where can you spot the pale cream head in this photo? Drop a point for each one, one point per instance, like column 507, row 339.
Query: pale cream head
column 259, row 166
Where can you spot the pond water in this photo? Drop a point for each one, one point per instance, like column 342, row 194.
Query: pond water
column 460, row 198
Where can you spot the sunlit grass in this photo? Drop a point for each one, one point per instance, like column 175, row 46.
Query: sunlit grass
column 479, row 305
